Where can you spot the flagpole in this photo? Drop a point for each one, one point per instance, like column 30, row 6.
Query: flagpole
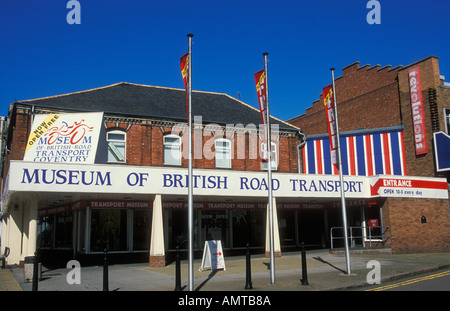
column 269, row 176
column 190, row 183
column 341, row 179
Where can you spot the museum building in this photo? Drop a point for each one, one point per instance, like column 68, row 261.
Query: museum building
column 106, row 168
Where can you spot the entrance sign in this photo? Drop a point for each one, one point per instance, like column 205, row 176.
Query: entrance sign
column 212, row 256
column 410, row 187
column 64, row 138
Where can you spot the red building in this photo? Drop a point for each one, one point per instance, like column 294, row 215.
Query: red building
column 380, row 135
column 123, row 186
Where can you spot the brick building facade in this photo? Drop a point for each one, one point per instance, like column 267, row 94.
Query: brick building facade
column 141, row 125
column 376, row 101
column 130, row 198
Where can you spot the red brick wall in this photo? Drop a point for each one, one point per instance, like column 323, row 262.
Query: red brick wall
column 145, row 147
column 422, row 165
column 372, row 98
column 375, row 97
column 367, row 98
column 19, row 139
column 408, row 233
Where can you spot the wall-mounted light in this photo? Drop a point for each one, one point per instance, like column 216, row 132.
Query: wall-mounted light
column 423, row 220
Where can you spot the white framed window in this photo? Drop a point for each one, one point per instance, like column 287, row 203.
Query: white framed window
column 172, row 150
column 117, row 141
column 273, row 156
column 447, row 120
column 222, row 148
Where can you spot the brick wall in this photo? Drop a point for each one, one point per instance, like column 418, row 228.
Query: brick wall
column 145, row 146
column 373, row 97
column 419, row 165
column 157, row 261
column 408, row 233
column 19, row 139
column 367, row 98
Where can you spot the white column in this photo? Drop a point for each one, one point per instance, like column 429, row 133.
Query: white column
column 32, row 203
column 14, row 229
column 25, row 221
column 276, row 233
column 157, row 250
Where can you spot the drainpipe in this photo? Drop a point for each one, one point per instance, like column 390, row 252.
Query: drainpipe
column 303, row 138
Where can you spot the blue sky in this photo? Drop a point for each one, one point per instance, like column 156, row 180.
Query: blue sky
column 141, row 41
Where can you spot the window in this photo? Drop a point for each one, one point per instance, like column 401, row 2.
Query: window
column 222, row 153
column 45, row 231
column 273, row 156
column 248, row 226
column 55, row 231
column 116, row 141
column 142, row 224
column 63, row 231
column 215, row 226
column 109, row 230
column 447, row 120
column 172, row 150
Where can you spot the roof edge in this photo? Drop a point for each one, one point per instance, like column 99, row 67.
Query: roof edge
column 358, row 132
column 113, row 85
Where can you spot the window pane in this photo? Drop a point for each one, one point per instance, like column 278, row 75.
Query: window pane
column 116, row 152
column 223, row 154
column 108, row 230
column 223, row 159
column 63, row 231
column 215, row 226
column 171, row 140
column 172, row 150
column 116, row 136
column 447, row 119
column 142, row 221
column 222, row 144
column 222, row 163
column 273, row 156
column 248, row 227
column 116, row 142
column 172, row 155
column 45, row 231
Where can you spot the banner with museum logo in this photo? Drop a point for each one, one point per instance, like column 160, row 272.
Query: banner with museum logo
column 64, row 138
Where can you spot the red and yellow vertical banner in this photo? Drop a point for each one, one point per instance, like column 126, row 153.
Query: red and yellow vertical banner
column 260, row 81
column 331, row 121
column 184, row 64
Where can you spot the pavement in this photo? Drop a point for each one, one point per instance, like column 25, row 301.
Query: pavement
column 325, row 272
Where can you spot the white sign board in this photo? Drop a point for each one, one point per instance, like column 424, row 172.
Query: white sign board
column 212, row 256
column 64, row 138
column 65, row 177
column 409, row 187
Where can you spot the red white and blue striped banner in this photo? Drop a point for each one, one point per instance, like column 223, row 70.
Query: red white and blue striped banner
column 378, row 153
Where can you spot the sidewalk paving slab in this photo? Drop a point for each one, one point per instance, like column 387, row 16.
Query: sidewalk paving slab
column 325, row 271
